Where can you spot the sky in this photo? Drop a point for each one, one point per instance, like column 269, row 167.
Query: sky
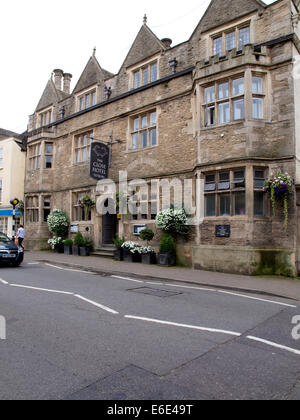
column 38, row 37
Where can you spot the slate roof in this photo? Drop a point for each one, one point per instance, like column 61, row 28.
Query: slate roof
column 7, row 133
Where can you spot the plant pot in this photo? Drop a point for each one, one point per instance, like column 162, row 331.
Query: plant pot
column 118, row 255
column 75, row 250
column 68, row 250
column 167, row 260
column 133, row 258
column 84, row 251
column 59, row 249
column 149, row 258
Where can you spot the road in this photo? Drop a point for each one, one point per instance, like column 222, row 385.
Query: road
column 77, row 335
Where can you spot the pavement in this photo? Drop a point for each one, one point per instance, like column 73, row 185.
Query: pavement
column 271, row 286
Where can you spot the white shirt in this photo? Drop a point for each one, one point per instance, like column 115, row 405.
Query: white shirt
column 21, row 233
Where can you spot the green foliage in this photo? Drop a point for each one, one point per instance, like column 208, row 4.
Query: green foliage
column 167, row 244
column 89, row 243
column 79, row 241
column 68, row 242
column 118, row 242
column 147, row 235
column 58, row 223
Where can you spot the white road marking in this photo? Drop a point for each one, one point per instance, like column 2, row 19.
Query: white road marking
column 128, row 279
column 270, row 343
column 259, row 299
column 41, row 290
column 3, row 281
column 193, row 327
column 191, row 287
column 33, row 263
column 70, row 269
column 105, row 308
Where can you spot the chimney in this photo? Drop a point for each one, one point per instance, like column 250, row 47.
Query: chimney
column 167, row 42
column 58, row 75
column 67, row 83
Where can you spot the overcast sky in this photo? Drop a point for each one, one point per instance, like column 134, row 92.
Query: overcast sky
column 38, row 36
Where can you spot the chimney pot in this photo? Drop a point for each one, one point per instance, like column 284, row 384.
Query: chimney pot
column 58, row 75
column 67, row 83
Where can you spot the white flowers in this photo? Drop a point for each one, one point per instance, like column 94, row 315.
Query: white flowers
column 58, row 222
column 172, row 221
column 54, row 242
column 135, row 248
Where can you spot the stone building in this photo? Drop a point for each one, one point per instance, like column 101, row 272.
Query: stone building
column 220, row 109
column 12, row 172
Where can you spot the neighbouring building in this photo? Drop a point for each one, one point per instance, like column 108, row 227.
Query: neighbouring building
column 222, row 108
column 12, row 173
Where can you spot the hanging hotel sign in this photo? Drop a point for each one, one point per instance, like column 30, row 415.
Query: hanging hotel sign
column 99, row 161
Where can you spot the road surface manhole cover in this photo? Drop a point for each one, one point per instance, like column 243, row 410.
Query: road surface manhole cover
column 155, row 292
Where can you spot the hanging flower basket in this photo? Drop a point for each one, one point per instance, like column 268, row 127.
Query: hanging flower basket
column 87, row 203
column 280, row 188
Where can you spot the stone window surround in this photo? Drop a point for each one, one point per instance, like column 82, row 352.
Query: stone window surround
column 32, row 208
column 89, row 134
column 248, row 96
column 250, row 189
column 146, row 203
column 75, row 196
column 45, row 117
column 227, row 30
column 39, row 156
column 83, row 94
column 131, row 130
column 139, row 67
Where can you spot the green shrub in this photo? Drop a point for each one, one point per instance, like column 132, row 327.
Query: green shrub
column 79, row 241
column 89, row 243
column 58, row 222
column 68, row 242
column 147, row 235
column 118, row 242
column 167, row 244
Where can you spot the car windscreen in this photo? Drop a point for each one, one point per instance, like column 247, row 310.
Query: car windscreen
column 4, row 238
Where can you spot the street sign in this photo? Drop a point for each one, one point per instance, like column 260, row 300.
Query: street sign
column 100, row 154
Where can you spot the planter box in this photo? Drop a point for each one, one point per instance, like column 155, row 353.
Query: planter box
column 167, row 260
column 75, row 250
column 84, row 251
column 133, row 258
column 149, row 258
column 59, row 249
column 118, row 255
column 68, row 250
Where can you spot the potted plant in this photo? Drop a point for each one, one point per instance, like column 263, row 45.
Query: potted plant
column 280, row 187
column 68, row 244
column 78, row 243
column 132, row 252
column 87, row 203
column 89, row 244
column 167, row 251
column 58, row 223
column 119, row 252
column 57, row 244
column 148, row 253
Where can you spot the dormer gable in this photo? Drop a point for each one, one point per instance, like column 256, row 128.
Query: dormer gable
column 49, row 97
column 93, row 74
column 220, row 12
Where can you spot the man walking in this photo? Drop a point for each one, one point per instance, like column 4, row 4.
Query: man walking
column 21, row 235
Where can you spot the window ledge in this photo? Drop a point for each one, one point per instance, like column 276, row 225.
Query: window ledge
column 212, row 127
column 128, row 151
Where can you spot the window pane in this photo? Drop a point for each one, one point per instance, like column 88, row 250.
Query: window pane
column 135, row 141
column 85, row 142
column 87, row 101
column 153, row 119
column 48, row 162
column 225, row 205
column 84, row 155
column 258, row 108
column 81, row 104
column 153, row 137
column 238, row 86
column 238, row 109
column 136, row 124
column 224, row 90
column 136, row 83
column 210, row 116
column 49, row 148
column 259, row 209
column 257, row 85
column 79, row 142
column 239, row 204
column 218, row 46
column 78, row 156
column 94, row 98
column 244, row 37
column 144, row 139
column 230, row 41
column 209, row 94
column 224, row 113
column 210, row 205
column 145, row 76
column 144, row 122
column 154, row 74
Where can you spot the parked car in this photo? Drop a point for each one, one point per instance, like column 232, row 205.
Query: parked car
column 10, row 253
